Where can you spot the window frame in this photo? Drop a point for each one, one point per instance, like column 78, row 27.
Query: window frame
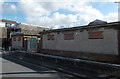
column 98, row 37
column 50, row 37
column 19, row 38
column 68, row 37
column 14, row 38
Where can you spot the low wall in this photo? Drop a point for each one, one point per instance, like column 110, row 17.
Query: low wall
column 82, row 55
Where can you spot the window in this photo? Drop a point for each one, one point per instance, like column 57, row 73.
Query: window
column 8, row 24
column 96, row 35
column 19, row 38
column 14, row 38
column 50, row 37
column 69, row 36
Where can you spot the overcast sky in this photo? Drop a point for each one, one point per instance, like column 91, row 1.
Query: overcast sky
column 57, row 13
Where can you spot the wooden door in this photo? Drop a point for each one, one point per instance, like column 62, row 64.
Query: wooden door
column 39, row 44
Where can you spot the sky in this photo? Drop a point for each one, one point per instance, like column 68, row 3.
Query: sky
column 59, row 13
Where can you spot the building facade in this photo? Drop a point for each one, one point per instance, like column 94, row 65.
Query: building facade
column 29, row 43
column 3, row 36
column 12, row 27
column 30, row 29
column 95, row 42
column 6, row 26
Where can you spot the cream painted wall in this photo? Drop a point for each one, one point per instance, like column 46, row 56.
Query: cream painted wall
column 81, row 42
column 17, row 44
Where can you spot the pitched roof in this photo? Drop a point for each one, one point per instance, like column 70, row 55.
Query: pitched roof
column 111, row 24
column 97, row 22
column 4, row 20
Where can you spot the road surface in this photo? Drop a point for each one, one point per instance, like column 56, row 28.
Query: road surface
column 12, row 67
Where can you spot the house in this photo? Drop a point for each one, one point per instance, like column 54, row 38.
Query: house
column 3, row 36
column 30, row 29
column 6, row 27
column 15, row 27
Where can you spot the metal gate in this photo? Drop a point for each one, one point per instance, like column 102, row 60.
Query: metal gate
column 33, row 43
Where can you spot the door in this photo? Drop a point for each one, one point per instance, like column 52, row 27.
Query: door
column 33, row 43
column 25, row 44
column 39, row 44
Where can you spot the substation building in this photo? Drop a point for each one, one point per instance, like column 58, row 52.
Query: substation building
column 98, row 41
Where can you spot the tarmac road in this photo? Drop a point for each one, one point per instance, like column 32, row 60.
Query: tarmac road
column 14, row 68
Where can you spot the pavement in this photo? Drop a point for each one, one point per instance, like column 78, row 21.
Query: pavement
column 18, row 69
